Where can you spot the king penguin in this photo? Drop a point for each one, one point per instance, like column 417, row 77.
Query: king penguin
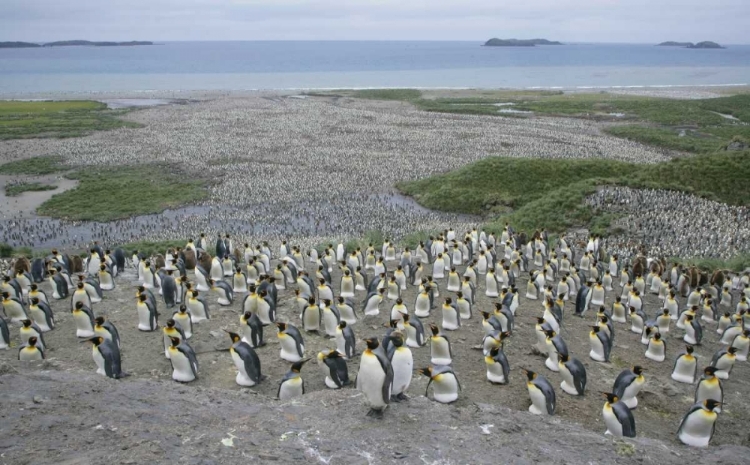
column 375, row 378
column 335, row 369
column 541, row 393
column 573, row 374
column 699, row 423
column 345, row 340
column 30, row 351
column 290, row 340
column 628, row 384
column 440, row 347
column 402, row 363
column 617, row 417
column 13, row 308
column 183, row 318
column 723, row 360
column 147, row 316
column 84, row 319
column 172, row 330
column 41, row 313
column 4, row 334
column 685, row 369
column 184, row 362
column 497, row 366
column 246, row 361
column 445, row 385
column 252, row 330
column 107, row 357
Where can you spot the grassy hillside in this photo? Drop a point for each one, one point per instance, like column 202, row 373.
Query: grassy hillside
column 21, row 120
column 695, row 126
column 549, row 193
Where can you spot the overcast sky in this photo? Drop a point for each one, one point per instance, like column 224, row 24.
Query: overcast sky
column 724, row 21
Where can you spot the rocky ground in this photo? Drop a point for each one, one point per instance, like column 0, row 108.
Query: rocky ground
column 59, row 411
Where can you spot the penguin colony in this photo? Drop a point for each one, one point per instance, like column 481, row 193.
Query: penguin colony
column 279, row 166
column 673, row 224
column 169, row 302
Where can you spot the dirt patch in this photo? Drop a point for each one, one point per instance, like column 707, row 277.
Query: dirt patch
column 25, row 205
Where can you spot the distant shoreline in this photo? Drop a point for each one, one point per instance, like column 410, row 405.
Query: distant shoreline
column 74, row 43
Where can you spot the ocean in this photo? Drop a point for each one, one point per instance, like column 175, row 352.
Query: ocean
column 185, row 66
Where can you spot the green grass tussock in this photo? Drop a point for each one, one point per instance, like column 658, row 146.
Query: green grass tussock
column 14, row 190
column 21, row 120
column 105, row 194
column 37, row 166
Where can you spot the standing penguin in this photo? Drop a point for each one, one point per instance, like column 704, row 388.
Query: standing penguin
column 497, row 366
column 402, row 363
column 4, row 334
column 30, row 329
column 147, row 316
column 345, row 340
column 657, row 348
column 224, row 291
column 334, row 367
column 414, row 332
column 685, row 368
column 184, row 362
column 617, row 417
column 541, row 393
column 183, row 318
column 252, row 330
column 628, row 384
column 699, row 423
column 292, row 385
column 375, row 378
column 445, row 383
column 84, row 318
column 106, row 281
column 440, row 347
column 723, row 360
column 290, row 340
column 13, row 308
column 41, row 313
column 693, row 330
column 169, row 289
column 172, row 329
column 30, row 351
column 573, row 374
column 107, row 357
column 600, row 344
column 245, row 360
column 371, row 305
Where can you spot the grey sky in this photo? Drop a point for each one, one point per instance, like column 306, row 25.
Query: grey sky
column 724, row 21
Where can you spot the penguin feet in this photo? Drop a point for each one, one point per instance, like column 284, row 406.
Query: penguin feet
column 400, row 398
column 373, row 413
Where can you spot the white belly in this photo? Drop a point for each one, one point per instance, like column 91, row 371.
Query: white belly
column 99, row 362
column 439, row 351
column 403, row 366
column 197, row 312
column 144, row 318
column 83, row 325
column 568, row 383
column 597, row 349
column 696, row 431
column 370, row 381
column 330, row 323
column 538, row 401
column 181, row 369
column 242, row 378
column 372, row 307
column 450, row 319
column 445, row 389
column 289, row 349
column 495, row 373
column 684, row 371
column 29, row 355
column 706, row 391
column 312, row 320
column 610, row 421
column 40, row 318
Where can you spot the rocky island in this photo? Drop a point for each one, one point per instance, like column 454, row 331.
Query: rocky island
column 68, row 43
column 495, row 42
column 704, row 44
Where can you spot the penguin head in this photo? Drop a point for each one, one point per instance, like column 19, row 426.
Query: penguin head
column 638, row 370
column 711, row 404
column 281, row 326
column 103, row 267
column 141, row 297
column 32, row 341
column 175, row 341
column 80, row 285
column 342, row 324
column 689, row 349
column 397, row 339
column 530, row 375
column 327, row 302
column 435, row 330
column 372, row 343
column 233, row 336
column 664, row 312
column 170, row 323
column 595, row 328
column 79, row 305
column 611, row 398
column 550, row 333
column 732, row 350
column 183, row 308
column 26, row 323
column 100, row 320
column 657, row 336
column 563, row 357
column 96, row 340
column 427, row 371
column 448, row 301
column 311, row 300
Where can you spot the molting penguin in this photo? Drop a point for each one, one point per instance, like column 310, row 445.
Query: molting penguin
column 334, row 367
column 246, row 361
column 445, row 385
column 106, row 355
column 84, row 318
column 184, row 362
column 628, row 384
column 685, row 368
column 375, row 378
column 541, row 393
column 573, row 374
column 617, row 417
column 30, row 351
column 699, row 423
column 290, row 340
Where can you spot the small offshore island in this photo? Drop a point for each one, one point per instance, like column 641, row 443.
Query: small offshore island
column 71, row 43
column 495, row 42
column 704, row 44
